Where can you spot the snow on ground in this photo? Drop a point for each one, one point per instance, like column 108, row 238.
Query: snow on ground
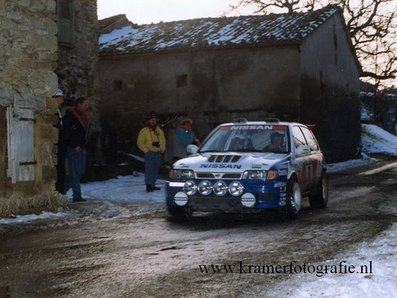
column 31, row 217
column 123, row 189
column 374, row 273
column 349, row 164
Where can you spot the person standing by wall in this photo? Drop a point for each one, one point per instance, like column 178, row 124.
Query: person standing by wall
column 151, row 142
column 75, row 124
column 184, row 136
column 61, row 144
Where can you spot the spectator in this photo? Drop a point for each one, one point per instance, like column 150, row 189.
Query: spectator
column 61, row 145
column 75, row 124
column 184, row 136
column 151, row 142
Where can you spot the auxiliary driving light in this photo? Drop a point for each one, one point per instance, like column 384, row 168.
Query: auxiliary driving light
column 248, row 200
column 205, row 187
column 236, row 188
column 220, row 188
column 181, row 198
column 190, row 188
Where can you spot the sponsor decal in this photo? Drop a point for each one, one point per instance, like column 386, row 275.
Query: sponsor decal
column 259, row 127
column 220, row 166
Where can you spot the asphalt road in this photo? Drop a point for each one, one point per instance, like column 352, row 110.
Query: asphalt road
column 149, row 256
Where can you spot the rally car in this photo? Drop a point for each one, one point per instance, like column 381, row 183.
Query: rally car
column 250, row 166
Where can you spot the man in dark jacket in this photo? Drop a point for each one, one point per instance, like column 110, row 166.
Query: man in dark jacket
column 75, row 125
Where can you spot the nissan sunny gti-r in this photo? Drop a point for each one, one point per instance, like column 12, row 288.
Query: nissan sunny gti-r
column 250, row 166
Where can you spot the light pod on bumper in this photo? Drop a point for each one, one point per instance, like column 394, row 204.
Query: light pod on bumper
column 190, row 188
column 205, row 187
column 236, row 188
column 220, row 188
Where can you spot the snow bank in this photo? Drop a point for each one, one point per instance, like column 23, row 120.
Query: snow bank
column 31, row 217
column 376, row 140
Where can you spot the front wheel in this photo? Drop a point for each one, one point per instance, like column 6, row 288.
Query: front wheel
column 294, row 199
column 320, row 198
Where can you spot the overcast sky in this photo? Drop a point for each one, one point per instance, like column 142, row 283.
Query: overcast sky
column 154, row 11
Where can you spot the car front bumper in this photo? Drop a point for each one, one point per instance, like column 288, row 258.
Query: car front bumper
column 261, row 194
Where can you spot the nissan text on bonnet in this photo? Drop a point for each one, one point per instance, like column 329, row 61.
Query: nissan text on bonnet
column 250, row 166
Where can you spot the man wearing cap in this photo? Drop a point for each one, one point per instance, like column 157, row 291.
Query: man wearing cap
column 61, row 145
column 76, row 122
column 151, row 142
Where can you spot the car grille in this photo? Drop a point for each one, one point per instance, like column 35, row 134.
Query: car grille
column 218, row 175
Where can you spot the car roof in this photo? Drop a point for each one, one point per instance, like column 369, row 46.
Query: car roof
column 260, row 123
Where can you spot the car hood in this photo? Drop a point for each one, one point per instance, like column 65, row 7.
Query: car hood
column 230, row 162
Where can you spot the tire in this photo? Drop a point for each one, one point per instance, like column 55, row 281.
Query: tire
column 178, row 213
column 320, row 198
column 294, row 199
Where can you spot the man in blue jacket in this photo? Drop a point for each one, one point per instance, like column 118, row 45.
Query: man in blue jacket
column 75, row 124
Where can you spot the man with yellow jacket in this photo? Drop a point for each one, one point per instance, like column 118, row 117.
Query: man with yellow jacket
column 151, row 141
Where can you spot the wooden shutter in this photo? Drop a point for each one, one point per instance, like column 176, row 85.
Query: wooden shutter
column 20, row 134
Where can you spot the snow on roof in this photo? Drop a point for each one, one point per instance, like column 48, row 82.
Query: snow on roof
column 214, row 32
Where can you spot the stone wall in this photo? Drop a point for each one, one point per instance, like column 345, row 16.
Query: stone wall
column 76, row 65
column 28, row 56
column 76, row 61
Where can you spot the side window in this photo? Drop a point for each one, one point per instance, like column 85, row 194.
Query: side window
column 299, row 139
column 65, row 21
column 311, row 140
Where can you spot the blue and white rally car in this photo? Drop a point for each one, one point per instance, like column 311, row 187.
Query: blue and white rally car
column 250, row 166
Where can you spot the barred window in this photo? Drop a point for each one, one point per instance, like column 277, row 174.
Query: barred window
column 65, row 21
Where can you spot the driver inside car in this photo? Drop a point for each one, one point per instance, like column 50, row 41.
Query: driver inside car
column 276, row 143
column 237, row 144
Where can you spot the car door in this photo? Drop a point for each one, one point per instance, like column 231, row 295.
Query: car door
column 315, row 159
column 302, row 163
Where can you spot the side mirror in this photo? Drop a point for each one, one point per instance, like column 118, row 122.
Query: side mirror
column 302, row 150
column 191, row 149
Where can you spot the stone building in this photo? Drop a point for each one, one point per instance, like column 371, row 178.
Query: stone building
column 29, row 56
column 296, row 67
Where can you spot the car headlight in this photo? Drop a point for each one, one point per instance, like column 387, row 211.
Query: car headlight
column 236, row 188
column 182, row 174
column 220, row 188
column 190, row 188
column 255, row 175
column 205, row 187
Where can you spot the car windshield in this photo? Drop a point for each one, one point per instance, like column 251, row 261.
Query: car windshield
column 248, row 138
